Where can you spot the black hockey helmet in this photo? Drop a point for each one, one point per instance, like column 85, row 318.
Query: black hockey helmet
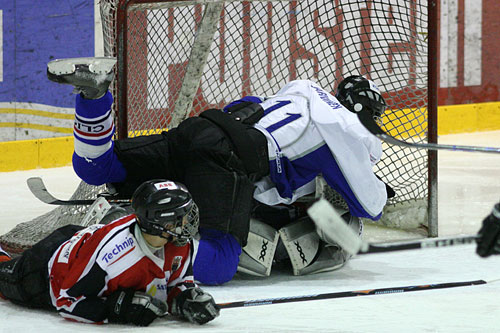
column 357, row 93
column 164, row 206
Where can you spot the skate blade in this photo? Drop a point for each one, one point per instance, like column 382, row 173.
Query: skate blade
column 97, row 65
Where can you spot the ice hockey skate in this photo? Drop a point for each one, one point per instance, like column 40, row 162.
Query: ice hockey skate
column 91, row 77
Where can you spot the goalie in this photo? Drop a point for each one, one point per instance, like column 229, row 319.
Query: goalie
column 123, row 272
column 267, row 149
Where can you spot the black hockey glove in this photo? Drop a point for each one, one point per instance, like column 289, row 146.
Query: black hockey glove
column 136, row 307
column 195, row 305
column 488, row 241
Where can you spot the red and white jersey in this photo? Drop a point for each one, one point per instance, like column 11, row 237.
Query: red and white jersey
column 102, row 259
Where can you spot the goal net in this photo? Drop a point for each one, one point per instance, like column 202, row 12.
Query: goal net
column 178, row 58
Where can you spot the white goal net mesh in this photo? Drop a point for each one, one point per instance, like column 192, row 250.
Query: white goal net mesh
column 177, row 58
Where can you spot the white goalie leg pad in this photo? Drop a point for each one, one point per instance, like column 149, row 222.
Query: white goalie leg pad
column 308, row 253
column 257, row 256
column 330, row 258
column 301, row 242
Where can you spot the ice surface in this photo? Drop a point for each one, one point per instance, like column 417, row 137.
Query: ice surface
column 469, row 185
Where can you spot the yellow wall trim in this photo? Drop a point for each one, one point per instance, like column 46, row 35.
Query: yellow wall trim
column 464, row 118
column 32, row 154
column 56, row 152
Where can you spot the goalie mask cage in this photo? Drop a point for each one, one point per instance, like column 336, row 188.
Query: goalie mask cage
column 178, row 58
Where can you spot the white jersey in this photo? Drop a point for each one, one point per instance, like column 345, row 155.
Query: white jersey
column 310, row 133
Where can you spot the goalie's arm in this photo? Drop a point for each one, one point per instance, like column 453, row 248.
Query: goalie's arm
column 350, row 173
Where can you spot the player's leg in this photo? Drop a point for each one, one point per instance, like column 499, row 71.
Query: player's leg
column 97, row 159
column 216, row 257
column 258, row 256
column 215, row 178
column 24, row 279
column 224, row 200
column 93, row 160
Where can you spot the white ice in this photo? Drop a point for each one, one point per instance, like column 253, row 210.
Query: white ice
column 469, row 185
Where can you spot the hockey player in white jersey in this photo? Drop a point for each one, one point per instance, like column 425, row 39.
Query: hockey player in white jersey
column 269, row 151
column 311, row 133
column 132, row 270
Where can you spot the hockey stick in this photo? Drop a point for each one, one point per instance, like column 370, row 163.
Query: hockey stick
column 372, row 126
column 37, row 187
column 333, row 227
column 352, row 293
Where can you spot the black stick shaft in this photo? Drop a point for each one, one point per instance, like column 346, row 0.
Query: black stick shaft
column 420, row 244
column 342, row 294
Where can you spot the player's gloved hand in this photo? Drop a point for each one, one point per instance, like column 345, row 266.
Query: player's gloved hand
column 488, row 241
column 136, row 307
column 195, row 305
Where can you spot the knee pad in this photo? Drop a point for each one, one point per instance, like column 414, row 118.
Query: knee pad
column 257, row 256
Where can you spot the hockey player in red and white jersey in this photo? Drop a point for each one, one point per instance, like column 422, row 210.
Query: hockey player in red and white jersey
column 132, row 270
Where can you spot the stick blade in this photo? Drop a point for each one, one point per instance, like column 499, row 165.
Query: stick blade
column 37, row 187
column 332, row 226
